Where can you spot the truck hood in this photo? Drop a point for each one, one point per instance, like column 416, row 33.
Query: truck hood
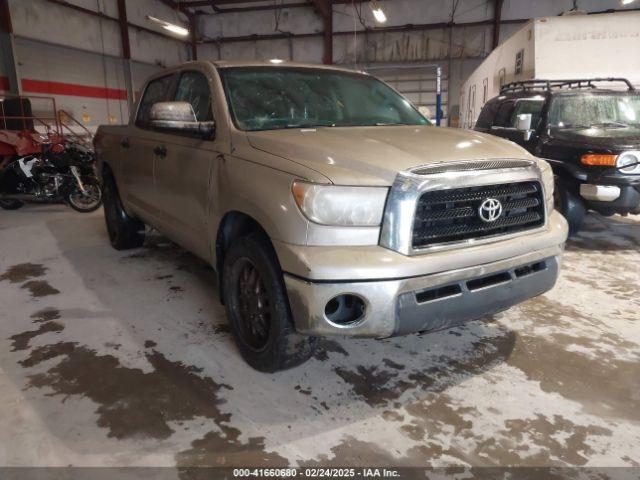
column 608, row 138
column 374, row 155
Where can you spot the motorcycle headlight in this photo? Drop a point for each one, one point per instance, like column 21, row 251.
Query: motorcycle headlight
column 548, row 182
column 629, row 162
column 339, row 205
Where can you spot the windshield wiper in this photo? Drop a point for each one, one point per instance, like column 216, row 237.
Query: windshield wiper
column 310, row 125
column 610, row 124
column 572, row 125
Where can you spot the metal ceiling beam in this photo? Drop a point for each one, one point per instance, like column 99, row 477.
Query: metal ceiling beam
column 7, row 45
column 497, row 15
column 257, row 8
column 399, row 28
column 324, row 8
column 126, row 51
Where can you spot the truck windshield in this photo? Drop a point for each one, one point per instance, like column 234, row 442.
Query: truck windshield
column 587, row 110
column 269, row 98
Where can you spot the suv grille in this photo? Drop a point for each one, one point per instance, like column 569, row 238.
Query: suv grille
column 454, row 215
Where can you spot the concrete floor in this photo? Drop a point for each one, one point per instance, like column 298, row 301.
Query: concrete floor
column 125, row 358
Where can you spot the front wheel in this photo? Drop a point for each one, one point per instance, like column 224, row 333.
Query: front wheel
column 9, row 204
column 87, row 201
column 258, row 307
column 570, row 206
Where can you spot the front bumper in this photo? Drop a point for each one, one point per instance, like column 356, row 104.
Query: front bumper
column 440, row 297
column 611, row 198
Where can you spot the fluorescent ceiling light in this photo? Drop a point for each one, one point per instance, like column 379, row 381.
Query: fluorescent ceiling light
column 378, row 13
column 276, row 60
column 177, row 29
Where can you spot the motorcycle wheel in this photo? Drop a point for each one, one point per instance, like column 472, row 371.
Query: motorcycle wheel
column 8, row 204
column 89, row 201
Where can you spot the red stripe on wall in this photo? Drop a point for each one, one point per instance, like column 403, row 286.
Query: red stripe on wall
column 73, row 89
column 4, row 83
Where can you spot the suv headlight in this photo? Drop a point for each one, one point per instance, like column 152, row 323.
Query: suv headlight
column 632, row 159
column 548, row 182
column 339, row 205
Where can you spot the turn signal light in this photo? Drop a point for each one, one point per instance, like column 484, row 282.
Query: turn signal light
column 599, row 159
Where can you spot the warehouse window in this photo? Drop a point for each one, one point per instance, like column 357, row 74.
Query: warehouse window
column 194, row 88
column 519, row 62
column 158, row 90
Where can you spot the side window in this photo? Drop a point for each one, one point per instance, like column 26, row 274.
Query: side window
column 534, row 107
column 486, row 115
column 193, row 87
column 157, row 90
column 503, row 117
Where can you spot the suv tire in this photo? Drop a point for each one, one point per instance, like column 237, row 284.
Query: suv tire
column 570, row 206
column 124, row 231
column 258, row 309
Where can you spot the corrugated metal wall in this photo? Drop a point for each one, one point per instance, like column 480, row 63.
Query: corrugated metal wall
column 75, row 57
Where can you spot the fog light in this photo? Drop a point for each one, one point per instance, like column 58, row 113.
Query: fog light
column 344, row 309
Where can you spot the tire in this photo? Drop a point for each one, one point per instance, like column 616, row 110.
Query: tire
column 9, row 204
column 258, row 307
column 125, row 232
column 570, row 206
column 78, row 201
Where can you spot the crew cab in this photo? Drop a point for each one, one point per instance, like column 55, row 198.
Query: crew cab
column 589, row 134
column 327, row 204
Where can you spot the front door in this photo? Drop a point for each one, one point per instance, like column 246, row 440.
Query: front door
column 183, row 167
column 506, row 121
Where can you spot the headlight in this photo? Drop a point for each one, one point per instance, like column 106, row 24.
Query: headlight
column 548, row 182
column 632, row 159
column 340, row 206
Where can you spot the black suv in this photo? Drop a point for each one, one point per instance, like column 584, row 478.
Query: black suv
column 590, row 135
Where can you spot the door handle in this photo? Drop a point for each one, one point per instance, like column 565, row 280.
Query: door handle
column 160, row 151
column 124, row 143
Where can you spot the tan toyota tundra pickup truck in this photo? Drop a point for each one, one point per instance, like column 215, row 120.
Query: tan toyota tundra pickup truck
column 327, row 204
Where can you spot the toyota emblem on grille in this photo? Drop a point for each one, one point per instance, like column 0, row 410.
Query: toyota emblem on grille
column 490, row 210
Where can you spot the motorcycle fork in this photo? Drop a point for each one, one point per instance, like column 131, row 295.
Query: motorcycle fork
column 74, row 171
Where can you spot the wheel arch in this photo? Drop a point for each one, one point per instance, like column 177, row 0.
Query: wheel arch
column 234, row 224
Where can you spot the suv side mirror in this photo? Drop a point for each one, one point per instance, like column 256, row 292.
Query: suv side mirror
column 179, row 116
column 523, row 124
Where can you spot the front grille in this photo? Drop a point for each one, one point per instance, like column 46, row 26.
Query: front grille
column 444, row 216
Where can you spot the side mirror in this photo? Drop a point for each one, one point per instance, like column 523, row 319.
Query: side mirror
column 523, row 125
column 524, row 122
column 179, row 116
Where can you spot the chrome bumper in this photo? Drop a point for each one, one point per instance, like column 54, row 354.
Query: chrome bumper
column 396, row 306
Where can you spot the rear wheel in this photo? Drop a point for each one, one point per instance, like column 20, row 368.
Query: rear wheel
column 8, row 204
column 258, row 307
column 570, row 206
column 124, row 231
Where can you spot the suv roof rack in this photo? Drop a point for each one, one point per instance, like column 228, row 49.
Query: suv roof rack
column 548, row 85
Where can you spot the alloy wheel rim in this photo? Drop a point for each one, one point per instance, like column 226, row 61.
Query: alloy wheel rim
column 87, row 200
column 252, row 306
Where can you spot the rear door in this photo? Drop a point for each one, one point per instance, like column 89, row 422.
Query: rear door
column 137, row 152
column 183, row 170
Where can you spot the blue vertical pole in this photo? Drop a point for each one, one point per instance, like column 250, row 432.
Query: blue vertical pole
column 438, row 96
